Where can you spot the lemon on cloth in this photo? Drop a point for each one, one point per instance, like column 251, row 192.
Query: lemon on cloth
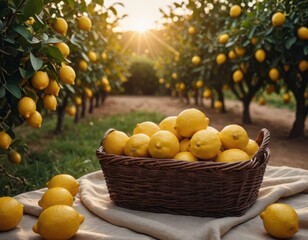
column 137, row 145
column 205, row 144
column 58, row 222
column 168, row 124
column 186, row 156
column 234, row 136
column 190, row 121
column 56, row 196
column 66, row 181
column 11, row 212
column 280, row 220
column 114, row 142
column 147, row 127
column 232, row 155
column 163, row 144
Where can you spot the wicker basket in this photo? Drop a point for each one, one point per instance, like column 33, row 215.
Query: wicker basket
column 188, row 188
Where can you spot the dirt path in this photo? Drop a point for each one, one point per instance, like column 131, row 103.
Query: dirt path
column 284, row 152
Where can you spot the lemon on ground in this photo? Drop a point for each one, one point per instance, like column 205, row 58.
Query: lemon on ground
column 196, row 60
column 137, row 145
column 273, row 74
column 231, row 54
column 67, row 74
column 260, row 55
column 26, row 106
column 185, row 156
column 168, row 124
column 234, row 136
column 92, row 56
column 280, row 220
column 5, row 140
column 286, row 97
column 58, row 222
column 184, row 145
column 237, row 76
column 15, row 157
column 303, row 65
column 235, row 11
column 71, row 110
column 50, row 102
column 40, row 80
column 35, row 120
column 223, row 38
column 221, row 58
column 147, row 127
column 163, row 144
column 84, row 23
column 52, row 88
column 302, row 33
column 60, row 26
column 83, row 65
column 205, row 144
column 115, row 142
column 251, row 148
column 56, row 196
column 11, row 212
column 64, row 48
column 190, row 121
column 232, row 155
column 207, row 93
column 192, row 30
column 278, row 19
column 66, row 181
column 240, row 51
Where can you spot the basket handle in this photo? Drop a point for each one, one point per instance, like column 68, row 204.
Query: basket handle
column 263, row 141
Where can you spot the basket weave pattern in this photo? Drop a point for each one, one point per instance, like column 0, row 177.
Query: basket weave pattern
column 188, row 188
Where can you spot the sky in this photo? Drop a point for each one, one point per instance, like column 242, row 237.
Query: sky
column 142, row 14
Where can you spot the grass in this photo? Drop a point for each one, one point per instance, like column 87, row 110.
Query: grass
column 72, row 152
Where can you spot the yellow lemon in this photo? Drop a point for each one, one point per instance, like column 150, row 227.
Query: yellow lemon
column 303, row 65
column 65, row 181
column 199, row 84
column 88, row 92
column 78, row 101
column 40, row 80
column 207, row 93
column 105, row 81
column 196, row 60
column 67, row 74
column 52, row 88
column 184, row 145
column 26, row 106
column 50, row 102
column 104, row 55
column 115, row 142
column 273, row 74
column 234, row 136
column 35, row 120
column 218, row 105
column 280, row 220
column 232, row 155
column 83, row 65
column 15, row 157
column 190, row 121
column 260, row 55
column 278, row 19
column 60, row 26
column 5, row 140
column 163, row 144
column 192, row 30
column 286, row 97
column 262, row 101
column 58, row 222
column 237, row 76
column 168, row 124
column 286, row 67
column 231, row 54
column 221, row 58
column 92, row 56
column 240, row 51
column 302, row 33
column 147, row 127
column 11, row 212
column 30, row 21
column 64, row 49
column 107, row 89
column 185, row 156
column 223, row 38
column 254, row 40
column 84, row 23
column 205, row 144
column 235, row 11
column 56, row 196
column 174, row 76
column 71, row 110
column 137, row 145
column 251, row 148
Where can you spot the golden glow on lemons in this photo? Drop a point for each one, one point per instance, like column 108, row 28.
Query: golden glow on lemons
column 237, row 76
column 190, row 121
column 52, row 88
column 235, row 11
column 65, row 181
column 199, row 84
column 251, row 148
column 168, row 124
column 273, row 74
column 115, row 142
column 40, row 80
column 64, row 48
column 221, row 58
column 84, row 23
column 234, row 136
column 5, row 140
column 137, row 145
column 286, row 97
column 232, row 155
column 11, row 213
column 35, row 120
column 260, row 55
column 50, row 102
column 254, row 40
column 60, row 26
column 196, row 60
column 207, row 93
column 88, row 92
column 302, row 33
column 278, row 19
column 280, row 220
column 67, row 74
column 15, row 157
column 163, row 144
column 185, row 156
column 56, row 196
column 147, row 127
column 58, row 222
column 223, row 38
column 92, row 56
column 26, row 106
column 192, row 30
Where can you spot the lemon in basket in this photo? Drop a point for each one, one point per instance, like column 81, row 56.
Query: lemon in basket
column 205, row 144
column 137, row 145
column 184, row 144
column 56, row 196
column 147, row 127
column 280, row 220
column 185, row 156
column 66, row 181
column 251, row 148
column 114, row 142
column 168, row 124
column 234, row 136
column 163, row 144
column 232, row 155
column 11, row 212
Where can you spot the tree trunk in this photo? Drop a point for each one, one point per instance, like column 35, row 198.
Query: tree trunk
column 197, row 97
column 246, row 113
column 61, row 114
column 91, row 107
column 221, row 98
column 97, row 97
column 83, row 106
column 298, row 128
column 77, row 115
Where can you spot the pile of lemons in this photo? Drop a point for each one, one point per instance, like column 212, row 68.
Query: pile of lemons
column 58, row 219
column 187, row 137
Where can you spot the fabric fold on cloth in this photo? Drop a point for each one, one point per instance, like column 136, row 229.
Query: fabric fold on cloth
column 104, row 220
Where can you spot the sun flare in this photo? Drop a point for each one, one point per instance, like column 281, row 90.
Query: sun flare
column 142, row 27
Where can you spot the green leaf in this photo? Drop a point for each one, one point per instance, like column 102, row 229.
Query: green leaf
column 289, row 43
column 26, row 73
column 113, row 10
column 36, row 63
column 54, row 52
column 23, row 31
column 33, row 7
column 14, row 89
column 306, row 50
column 2, row 91
column 71, row 3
